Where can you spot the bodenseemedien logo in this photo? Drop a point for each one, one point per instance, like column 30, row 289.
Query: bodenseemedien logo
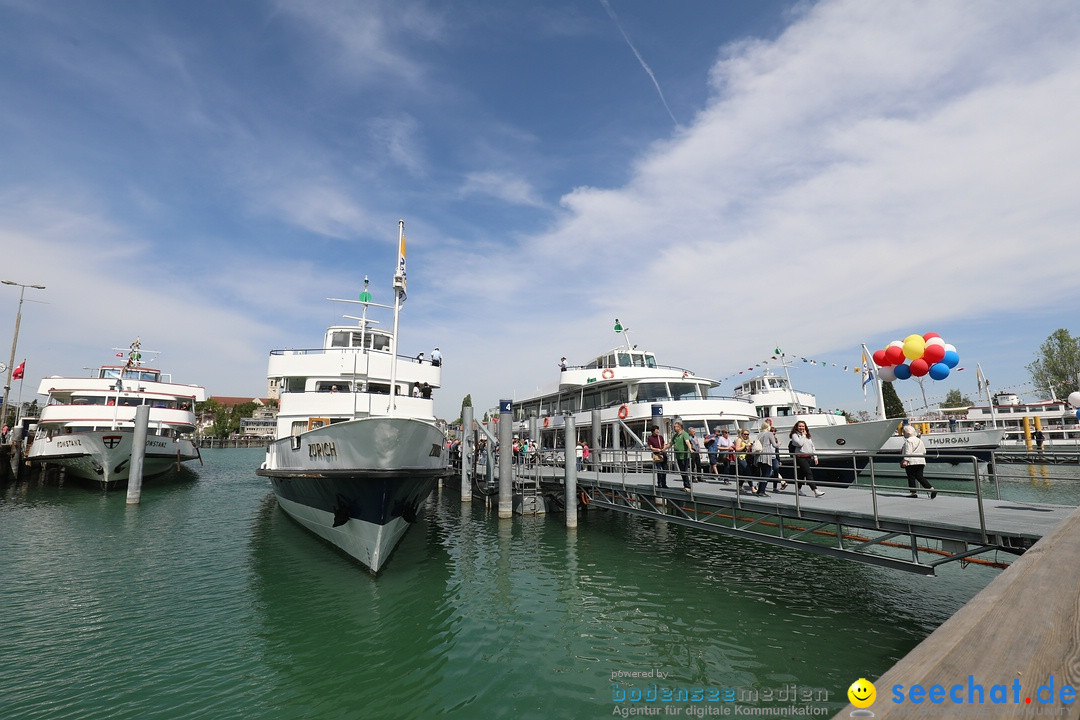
column 862, row 694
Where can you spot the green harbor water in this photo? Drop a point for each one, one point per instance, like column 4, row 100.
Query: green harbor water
column 206, row 601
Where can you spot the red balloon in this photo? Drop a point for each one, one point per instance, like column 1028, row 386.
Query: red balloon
column 894, row 355
column 919, row 367
column 927, row 336
column 934, row 353
column 879, row 358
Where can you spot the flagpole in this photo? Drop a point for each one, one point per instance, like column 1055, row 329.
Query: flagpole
column 877, row 382
column 399, row 291
column 985, row 386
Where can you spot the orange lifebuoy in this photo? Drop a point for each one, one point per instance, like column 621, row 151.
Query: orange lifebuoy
column 623, row 412
column 607, row 374
column 547, row 421
column 584, row 498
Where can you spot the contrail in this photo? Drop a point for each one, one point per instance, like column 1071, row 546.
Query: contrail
column 640, row 59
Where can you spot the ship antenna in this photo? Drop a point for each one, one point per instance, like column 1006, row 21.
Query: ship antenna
column 625, row 333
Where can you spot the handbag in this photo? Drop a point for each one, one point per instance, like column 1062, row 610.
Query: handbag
column 657, row 456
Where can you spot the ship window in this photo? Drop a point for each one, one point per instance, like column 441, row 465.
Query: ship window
column 609, row 361
column 340, row 339
column 639, row 360
column 616, row 395
column 590, row 401
column 699, row 427
column 380, row 342
column 624, row 359
column 652, row 391
column 379, row 388
column 330, row 385
column 650, row 360
column 684, row 391
column 571, row 403
column 293, row 384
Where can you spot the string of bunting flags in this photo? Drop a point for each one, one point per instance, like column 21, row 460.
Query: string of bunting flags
column 779, row 357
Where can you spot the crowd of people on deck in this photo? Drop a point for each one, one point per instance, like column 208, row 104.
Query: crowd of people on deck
column 755, row 462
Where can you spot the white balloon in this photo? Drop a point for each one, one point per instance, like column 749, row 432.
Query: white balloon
column 886, row 373
column 934, row 341
column 1074, row 399
column 949, row 347
column 896, row 343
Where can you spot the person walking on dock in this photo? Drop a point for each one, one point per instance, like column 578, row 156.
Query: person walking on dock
column 695, row 452
column 745, row 468
column 768, row 460
column 656, row 442
column 914, row 462
column 710, row 448
column 680, row 443
column 802, row 447
column 725, row 446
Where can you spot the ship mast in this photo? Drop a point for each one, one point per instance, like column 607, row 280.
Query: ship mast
column 399, row 296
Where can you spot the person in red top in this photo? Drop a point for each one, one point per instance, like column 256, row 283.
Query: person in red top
column 656, row 443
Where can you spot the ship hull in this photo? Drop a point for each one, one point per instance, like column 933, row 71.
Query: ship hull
column 358, row 484
column 103, row 457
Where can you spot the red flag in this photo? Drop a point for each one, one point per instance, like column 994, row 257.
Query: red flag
column 17, row 373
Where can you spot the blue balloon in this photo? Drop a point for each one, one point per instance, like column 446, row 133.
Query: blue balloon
column 939, row 371
column 902, row 372
column 1078, row 414
column 952, row 358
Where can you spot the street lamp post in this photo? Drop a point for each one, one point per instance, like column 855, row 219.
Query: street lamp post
column 14, row 343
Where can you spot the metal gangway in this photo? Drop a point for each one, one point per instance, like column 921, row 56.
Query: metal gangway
column 871, row 520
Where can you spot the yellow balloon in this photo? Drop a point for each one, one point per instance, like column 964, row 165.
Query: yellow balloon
column 914, row 347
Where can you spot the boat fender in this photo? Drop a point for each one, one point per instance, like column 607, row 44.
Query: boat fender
column 623, row 412
column 608, row 373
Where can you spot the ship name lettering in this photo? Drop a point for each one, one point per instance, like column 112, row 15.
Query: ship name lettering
column 949, row 440
column 323, row 449
column 75, row 442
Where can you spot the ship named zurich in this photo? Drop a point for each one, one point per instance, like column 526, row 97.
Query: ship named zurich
column 358, row 449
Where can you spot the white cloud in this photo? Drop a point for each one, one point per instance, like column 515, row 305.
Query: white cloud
column 507, row 187
column 877, row 168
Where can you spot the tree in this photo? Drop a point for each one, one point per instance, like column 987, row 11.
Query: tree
column 1055, row 372
column 466, row 402
column 955, row 399
column 893, row 407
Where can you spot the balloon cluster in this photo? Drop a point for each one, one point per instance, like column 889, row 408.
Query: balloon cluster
column 916, row 355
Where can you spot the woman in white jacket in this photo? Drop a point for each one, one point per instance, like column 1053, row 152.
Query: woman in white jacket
column 802, row 447
column 914, row 462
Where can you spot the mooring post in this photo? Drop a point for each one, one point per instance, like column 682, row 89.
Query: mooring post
column 570, row 471
column 138, row 452
column 506, row 459
column 466, row 447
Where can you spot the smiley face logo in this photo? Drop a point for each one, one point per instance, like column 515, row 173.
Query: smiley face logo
column 862, row 693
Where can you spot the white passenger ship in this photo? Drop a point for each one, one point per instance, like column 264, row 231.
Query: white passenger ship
column 87, row 424
column 633, row 392
column 356, row 452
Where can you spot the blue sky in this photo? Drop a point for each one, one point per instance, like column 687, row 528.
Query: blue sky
column 724, row 177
